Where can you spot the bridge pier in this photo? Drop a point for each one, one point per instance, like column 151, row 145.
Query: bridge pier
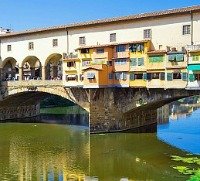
column 20, row 112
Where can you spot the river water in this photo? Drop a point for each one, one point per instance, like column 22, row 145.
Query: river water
column 54, row 152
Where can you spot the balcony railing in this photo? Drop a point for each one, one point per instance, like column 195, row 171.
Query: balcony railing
column 193, row 47
column 125, row 54
column 100, row 55
column 69, row 56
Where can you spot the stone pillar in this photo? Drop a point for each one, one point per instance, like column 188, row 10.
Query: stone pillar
column 20, row 73
column 1, row 74
column 55, row 71
column 32, row 72
column 43, row 72
column 104, row 113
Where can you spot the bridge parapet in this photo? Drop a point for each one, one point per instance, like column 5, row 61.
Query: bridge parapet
column 28, row 83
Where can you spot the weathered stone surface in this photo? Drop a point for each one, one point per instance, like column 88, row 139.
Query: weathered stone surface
column 110, row 109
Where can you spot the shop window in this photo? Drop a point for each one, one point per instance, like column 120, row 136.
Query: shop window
column 176, row 75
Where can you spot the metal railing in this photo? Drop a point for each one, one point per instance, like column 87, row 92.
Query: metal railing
column 193, row 47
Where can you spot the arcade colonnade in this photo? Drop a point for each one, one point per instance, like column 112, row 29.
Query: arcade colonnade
column 32, row 68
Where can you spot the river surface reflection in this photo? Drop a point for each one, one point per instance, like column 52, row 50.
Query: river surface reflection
column 52, row 152
column 182, row 129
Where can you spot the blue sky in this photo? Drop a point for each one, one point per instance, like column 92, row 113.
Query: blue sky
column 29, row 14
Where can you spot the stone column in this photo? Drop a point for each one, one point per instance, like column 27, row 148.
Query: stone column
column 32, row 72
column 55, row 71
column 43, row 72
column 20, row 73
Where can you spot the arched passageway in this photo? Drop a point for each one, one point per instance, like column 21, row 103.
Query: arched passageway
column 10, row 69
column 31, row 68
column 53, row 67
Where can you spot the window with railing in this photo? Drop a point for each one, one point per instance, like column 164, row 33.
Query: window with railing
column 121, row 76
column 176, row 57
column 121, row 61
column 136, row 47
column 121, row 48
column 137, row 62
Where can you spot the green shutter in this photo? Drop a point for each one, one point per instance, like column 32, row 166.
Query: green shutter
column 162, row 76
column 184, row 76
column 140, row 61
column 169, row 76
column 179, row 57
column 133, row 61
column 156, row 59
column 191, row 77
column 132, row 77
column 145, row 76
column 172, row 57
column 124, row 76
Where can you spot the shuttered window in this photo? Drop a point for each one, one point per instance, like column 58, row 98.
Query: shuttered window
column 145, row 76
column 184, row 76
column 156, row 59
column 133, row 62
column 169, row 76
column 162, row 76
column 132, row 77
column 140, row 61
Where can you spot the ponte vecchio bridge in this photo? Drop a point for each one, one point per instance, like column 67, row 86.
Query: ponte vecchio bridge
column 120, row 70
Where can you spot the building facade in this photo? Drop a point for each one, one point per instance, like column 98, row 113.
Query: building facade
column 152, row 50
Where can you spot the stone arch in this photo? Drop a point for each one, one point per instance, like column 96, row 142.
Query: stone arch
column 58, row 91
column 10, row 69
column 53, row 67
column 31, row 68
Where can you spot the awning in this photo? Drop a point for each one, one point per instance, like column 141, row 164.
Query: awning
column 194, row 67
column 90, row 75
column 71, row 76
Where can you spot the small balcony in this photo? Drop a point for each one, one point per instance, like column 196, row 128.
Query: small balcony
column 70, row 56
column 100, row 55
column 125, row 54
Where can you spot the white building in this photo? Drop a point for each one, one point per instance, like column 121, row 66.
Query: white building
column 166, row 29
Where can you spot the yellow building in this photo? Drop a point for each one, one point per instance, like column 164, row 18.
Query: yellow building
column 138, row 62
column 121, row 64
column 176, row 70
column 156, row 69
column 72, row 71
column 194, row 69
